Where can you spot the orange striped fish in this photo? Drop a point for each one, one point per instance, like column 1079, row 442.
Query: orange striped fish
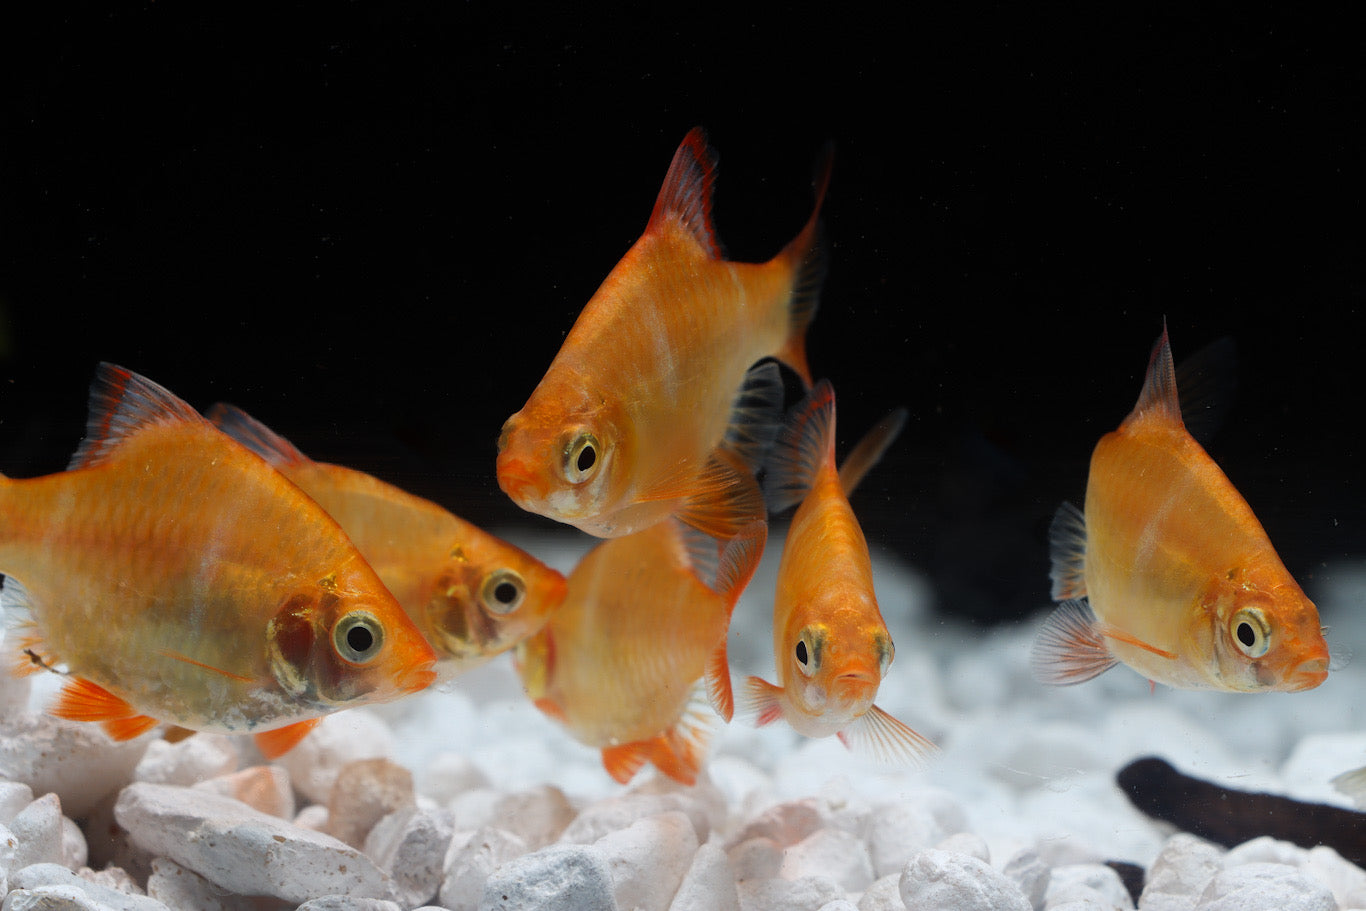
column 1169, row 572
column 619, row 663
column 472, row 594
column 625, row 427
column 830, row 643
column 174, row 576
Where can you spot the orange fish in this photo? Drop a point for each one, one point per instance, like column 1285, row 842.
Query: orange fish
column 175, row 577
column 619, row 662
column 624, row 428
column 830, row 643
column 1178, row 578
column 471, row 594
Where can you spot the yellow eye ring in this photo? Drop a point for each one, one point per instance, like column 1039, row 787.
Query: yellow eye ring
column 358, row 637
column 1251, row 632
column 582, row 456
column 503, row 591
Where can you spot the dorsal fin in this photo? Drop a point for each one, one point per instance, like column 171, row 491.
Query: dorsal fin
column 121, row 403
column 870, row 450
column 806, row 442
column 1158, row 400
column 687, row 192
column 254, row 435
column 810, row 260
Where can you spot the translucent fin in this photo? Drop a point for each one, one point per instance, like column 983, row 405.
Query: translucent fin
column 1207, row 383
column 23, row 642
column 254, row 435
column 805, row 443
column 121, row 403
column 719, row 692
column 1067, row 551
column 756, row 415
column 686, row 196
column 624, row 760
column 761, row 701
column 81, row 700
column 809, row 257
column 276, row 743
column 702, row 552
column 1353, row 784
column 725, row 498
column 1159, row 400
column 870, row 450
column 680, row 751
column 1070, row 647
column 738, row 563
column 879, row 736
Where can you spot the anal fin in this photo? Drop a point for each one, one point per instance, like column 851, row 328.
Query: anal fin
column 275, row 743
column 623, row 761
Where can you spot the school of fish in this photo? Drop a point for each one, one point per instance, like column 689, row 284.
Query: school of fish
column 200, row 572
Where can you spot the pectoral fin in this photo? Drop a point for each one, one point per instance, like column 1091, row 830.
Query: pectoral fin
column 762, row 700
column 879, row 736
column 1070, row 647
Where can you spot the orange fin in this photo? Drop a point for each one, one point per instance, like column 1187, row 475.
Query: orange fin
column 624, row 760
column 1067, row 552
column 256, row 436
column 762, row 700
column 81, row 700
column 175, row 733
column 879, row 736
column 121, row 404
column 128, row 728
column 804, row 445
column 870, row 450
column 686, row 195
column 276, row 743
column 719, row 692
column 550, row 708
column 809, row 259
column 1070, row 647
column 724, row 499
column 1159, row 400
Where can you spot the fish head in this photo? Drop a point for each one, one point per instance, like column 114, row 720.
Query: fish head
column 563, row 457
column 335, row 643
column 1267, row 637
column 491, row 596
column 837, row 676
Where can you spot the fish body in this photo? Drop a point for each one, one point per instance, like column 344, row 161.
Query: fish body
column 830, row 643
column 1179, row 580
column 472, row 594
column 622, row 429
column 178, row 578
column 619, row 664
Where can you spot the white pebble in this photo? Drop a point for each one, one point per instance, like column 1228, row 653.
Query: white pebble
column 410, row 846
column 755, row 859
column 563, row 877
column 364, row 792
column 313, row 816
column 883, row 895
column 936, row 880
column 174, row 886
column 188, row 761
column 242, row 849
column 539, row 816
column 839, row 904
column 966, row 843
column 73, row 759
column 648, row 860
column 709, row 884
column 340, row 738
column 470, row 858
column 1265, row 850
column 786, row 823
column 898, row 830
column 1180, row 873
column 38, row 833
column 1265, row 887
column 1028, row 871
column 810, row 893
column 835, row 853
column 448, row 776
column 1345, row 879
column 40, row 877
column 615, row 813
column 14, row 796
column 1080, row 882
column 349, row 903
column 265, row 787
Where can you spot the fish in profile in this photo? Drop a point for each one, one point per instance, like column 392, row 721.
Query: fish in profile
column 625, row 427
column 830, row 644
column 1168, row 571
column 619, row 664
column 173, row 576
column 472, row 594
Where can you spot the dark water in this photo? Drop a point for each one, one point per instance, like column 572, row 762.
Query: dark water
column 372, row 228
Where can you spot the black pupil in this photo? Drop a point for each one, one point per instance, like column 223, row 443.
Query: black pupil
column 801, row 652
column 1246, row 635
column 360, row 639
column 505, row 593
column 586, row 458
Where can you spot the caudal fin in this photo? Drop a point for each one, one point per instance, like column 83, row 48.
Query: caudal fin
column 810, row 261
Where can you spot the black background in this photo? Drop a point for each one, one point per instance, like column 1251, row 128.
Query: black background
column 371, row 224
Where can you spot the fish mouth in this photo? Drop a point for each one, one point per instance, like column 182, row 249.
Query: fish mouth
column 1307, row 675
column 417, row 678
column 516, row 480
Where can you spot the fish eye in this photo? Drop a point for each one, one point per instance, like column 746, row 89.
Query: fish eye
column 358, row 637
column 1251, row 632
column 807, row 653
column 503, row 591
column 582, row 456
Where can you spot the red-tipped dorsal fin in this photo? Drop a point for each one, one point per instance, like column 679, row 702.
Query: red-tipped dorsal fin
column 804, row 445
column 869, row 450
column 809, row 261
column 685, row 197
column 762, row 700
column 121, row 404
column 1159, row 400
column 276, row 743
column 623, row 760
column 879, row 736
column 254, row 435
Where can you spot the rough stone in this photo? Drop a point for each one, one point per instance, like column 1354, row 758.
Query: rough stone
column 364, row 792
column 709, row 884
column 265, row 787
column 563, row 877
column 936, row 880
column 649, row 859
column 410, row 846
